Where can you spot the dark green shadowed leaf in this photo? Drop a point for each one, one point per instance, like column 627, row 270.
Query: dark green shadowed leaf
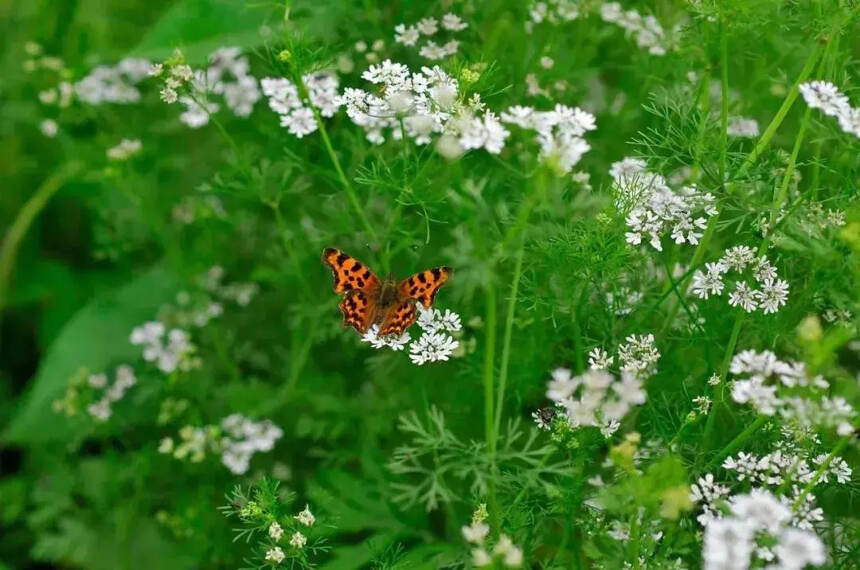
column 96, row 337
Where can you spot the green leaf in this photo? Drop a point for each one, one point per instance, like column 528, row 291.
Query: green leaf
column 96, row 338
column 199, row 27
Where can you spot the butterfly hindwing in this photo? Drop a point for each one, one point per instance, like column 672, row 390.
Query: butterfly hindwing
column 357, row 308
column 398, row 318
column 349, row 273
column 423, row 286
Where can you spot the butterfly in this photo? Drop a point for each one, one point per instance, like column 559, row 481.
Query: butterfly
column 371, row 301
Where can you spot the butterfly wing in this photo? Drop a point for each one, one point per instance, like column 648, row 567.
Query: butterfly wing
column 359, row 283
column 398, row 318
column 423, row 286
column 349, row 273
column 357, row 308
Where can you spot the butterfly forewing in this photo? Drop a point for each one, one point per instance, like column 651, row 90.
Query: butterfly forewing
column 349, row 273
column 359, row 283
column 423, row 286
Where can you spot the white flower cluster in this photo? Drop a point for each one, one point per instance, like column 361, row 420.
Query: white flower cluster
column 559, row 132
column 296, row 116
column 790, row 468
column 769, row 297
column 124, row 150
column 236, row 440
column 655, row 209
column 49, row 128
column 298, row 540
column 742, row 127
column 124, row 379
column 228, row 76
column 419, row 105
column 759, row 529
column 245, row 438
column 597, row 398
column 113, row 84
column 408, row 35
column 510, row 555
column 241, row 293
column 624, row 300
column 638, row 355
column 194, row 443
column 433, row 345
column 774, row 468
column 61, row 95
column 772, row 386
column 832, row 102
column 175, row 352
column 647, row 30
column 38, row 59
column 553, row 12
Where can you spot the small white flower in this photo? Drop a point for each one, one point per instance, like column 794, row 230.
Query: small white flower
column 476, row 532
column 97, row 380
column 182, row 72
column 599, row 359
column 710, row 282
column 742, row 127
column 298, row 540
column 744, row 297
column 155, row 70
column 453, row 23
column 849, row 121
column 428, row 26
column 797, row 548
column 165, row 445
column 773, row 295
column 49, row 128
column 275, row 555
column 825, row 96
column 406, row 35
column 432, row 347
column 275, row 531
column 168, row 95
column 305, row 517
column 100, row 410
column 481, row 557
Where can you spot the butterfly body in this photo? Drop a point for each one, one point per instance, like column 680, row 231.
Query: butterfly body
column 370, row 301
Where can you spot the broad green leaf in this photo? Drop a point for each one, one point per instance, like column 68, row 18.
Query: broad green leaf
column 199, row 27
column 96, row 338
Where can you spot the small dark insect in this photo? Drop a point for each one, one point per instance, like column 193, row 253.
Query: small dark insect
column 544, row 417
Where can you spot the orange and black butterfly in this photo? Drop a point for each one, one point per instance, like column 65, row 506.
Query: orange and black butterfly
column 370, row 301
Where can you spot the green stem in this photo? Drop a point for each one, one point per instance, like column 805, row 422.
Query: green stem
column 789, row 169
column 764, row 141
column 23, row 221
column 736, row 443
column 347, row 186
column 578, row 344
column 288, row 248
column 719, row 390
column 344, row 181
column 506, row 341
column 489, row 360
column 730, row 348
column 724, row 91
